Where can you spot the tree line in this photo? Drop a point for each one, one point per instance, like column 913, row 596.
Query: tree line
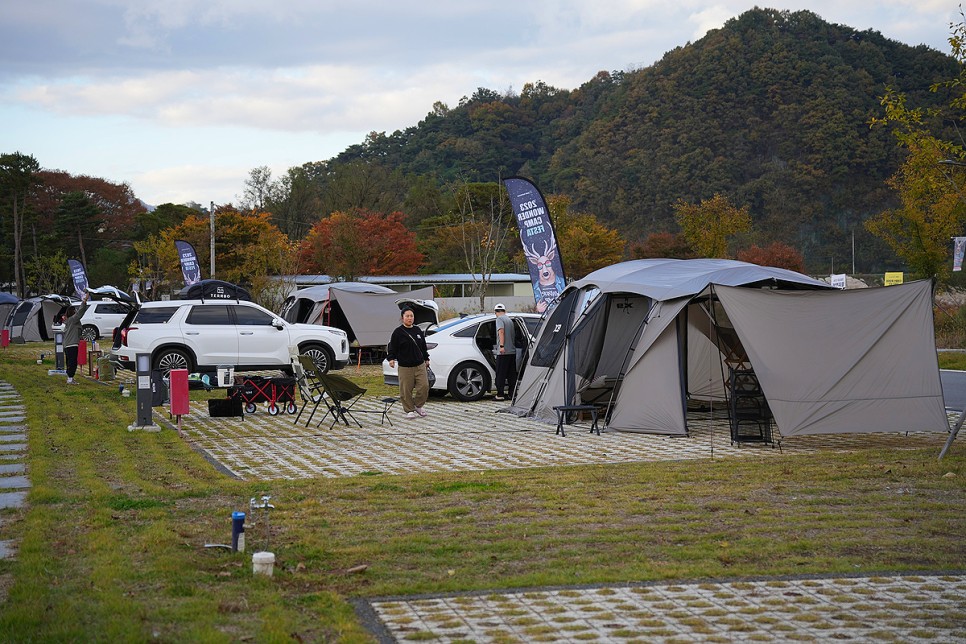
column 770, row 139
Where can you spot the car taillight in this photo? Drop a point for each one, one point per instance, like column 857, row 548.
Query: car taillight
column 124, row 333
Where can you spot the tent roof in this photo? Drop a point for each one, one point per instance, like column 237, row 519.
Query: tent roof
column 668, row 279
column 321, row 292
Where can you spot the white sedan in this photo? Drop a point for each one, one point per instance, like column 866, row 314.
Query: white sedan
column 461, row 353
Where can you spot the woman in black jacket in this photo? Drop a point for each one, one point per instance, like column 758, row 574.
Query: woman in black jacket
column 407, row 346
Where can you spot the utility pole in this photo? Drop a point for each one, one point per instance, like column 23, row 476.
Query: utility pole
column 211, row 216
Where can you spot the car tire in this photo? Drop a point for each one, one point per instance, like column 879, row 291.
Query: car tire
column 321, row 356
column 171, row 358
column 468, row 381
column 89, row 333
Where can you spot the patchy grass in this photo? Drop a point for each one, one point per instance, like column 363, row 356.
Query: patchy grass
column 112, row 544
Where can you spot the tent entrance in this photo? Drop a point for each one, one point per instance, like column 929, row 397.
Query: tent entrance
column 601, row 346
column 720, row 374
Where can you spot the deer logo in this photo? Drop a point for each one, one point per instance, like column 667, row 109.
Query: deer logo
column 549, row 285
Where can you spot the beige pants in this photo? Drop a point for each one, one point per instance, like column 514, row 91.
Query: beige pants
column 413, row 387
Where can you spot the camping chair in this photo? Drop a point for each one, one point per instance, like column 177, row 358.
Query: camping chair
column 310, row 387
column 344, row 394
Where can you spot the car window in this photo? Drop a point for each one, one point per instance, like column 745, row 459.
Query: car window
column 533, row 325
column 468, row 332
column 155, row 315
column 110, row 308
column 248, row 316
column 209, row 315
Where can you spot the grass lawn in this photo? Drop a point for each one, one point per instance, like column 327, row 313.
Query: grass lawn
column 112, row 541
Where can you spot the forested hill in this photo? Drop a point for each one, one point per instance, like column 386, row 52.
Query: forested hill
column 771, row 110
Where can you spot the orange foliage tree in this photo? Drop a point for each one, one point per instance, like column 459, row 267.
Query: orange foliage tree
column 775, row 254
column 248, row 250
column 662, row 245
column 358, row 243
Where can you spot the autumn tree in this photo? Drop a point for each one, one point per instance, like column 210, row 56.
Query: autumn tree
column 662, row 245
column 584, row 244
column 352, row 244
column 775, row 254
column 709, row 225
column 929, row 182
column 248, row 249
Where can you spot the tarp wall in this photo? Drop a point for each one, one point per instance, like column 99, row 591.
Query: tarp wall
column 843, row 361
column 373, row 316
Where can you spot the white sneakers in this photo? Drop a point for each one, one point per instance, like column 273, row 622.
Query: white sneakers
column 418, row 413
column 421, row 412
column 411, row 415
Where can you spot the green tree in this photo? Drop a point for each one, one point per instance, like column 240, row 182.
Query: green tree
column 47, row 273
column 16, row 179
column 583, row 242
column 77, row 217
column 708, row 226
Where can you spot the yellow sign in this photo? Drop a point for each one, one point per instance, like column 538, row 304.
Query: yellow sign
column 893, row 278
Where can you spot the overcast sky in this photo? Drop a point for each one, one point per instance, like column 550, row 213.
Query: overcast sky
column 182, row 98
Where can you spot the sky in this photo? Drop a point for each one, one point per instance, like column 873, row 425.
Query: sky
column 181, row 99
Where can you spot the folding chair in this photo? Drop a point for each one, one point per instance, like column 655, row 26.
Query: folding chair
column 310, row 387
column 342, row 394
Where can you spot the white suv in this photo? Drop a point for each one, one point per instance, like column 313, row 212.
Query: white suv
column 200, row 335
column 101, row 318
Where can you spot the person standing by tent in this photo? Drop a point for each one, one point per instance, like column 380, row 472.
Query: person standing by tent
column 408, row 345
column 506, row 354
column 72, row 332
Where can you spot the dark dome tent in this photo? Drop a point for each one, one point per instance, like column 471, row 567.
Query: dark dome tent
column 33, row 319
column 648, row 339
column 366, row 312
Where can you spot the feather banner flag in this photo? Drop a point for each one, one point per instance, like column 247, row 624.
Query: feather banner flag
column 539, row 241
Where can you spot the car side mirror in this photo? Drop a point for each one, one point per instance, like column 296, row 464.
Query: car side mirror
column 278, row 324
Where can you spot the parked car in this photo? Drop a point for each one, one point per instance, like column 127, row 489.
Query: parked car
column 201, row 335
column 461, row 353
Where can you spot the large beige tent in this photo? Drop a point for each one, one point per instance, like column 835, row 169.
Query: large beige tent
column 651, row 338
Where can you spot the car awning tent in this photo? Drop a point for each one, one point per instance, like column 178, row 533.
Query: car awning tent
column 366, row 312
column 656, row 334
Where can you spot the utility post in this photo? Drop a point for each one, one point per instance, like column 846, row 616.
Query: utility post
column 211, row 215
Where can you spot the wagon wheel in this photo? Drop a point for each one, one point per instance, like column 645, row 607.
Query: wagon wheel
column 250, row 408
column 273, row 409
column 292, row 408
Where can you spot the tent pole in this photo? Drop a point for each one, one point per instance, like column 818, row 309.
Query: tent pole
column 952, row 434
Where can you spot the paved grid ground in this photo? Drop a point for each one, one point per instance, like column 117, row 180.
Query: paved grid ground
column 470, row 436
column 475, row 436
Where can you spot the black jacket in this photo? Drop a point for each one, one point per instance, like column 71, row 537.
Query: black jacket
column 407, row 346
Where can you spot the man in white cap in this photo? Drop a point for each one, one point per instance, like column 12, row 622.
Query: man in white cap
column 506, row 354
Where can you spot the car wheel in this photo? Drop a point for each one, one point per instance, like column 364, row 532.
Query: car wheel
column 321, row 356
column 167, row 359
column 89, row 333
column 469, row 381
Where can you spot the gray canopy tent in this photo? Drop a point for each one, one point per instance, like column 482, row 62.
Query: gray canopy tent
column 366, row 312
column 648, row 337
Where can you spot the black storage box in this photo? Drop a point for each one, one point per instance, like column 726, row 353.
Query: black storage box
column 226, row 408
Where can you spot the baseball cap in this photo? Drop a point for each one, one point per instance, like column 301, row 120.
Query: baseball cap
column 499, row 307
